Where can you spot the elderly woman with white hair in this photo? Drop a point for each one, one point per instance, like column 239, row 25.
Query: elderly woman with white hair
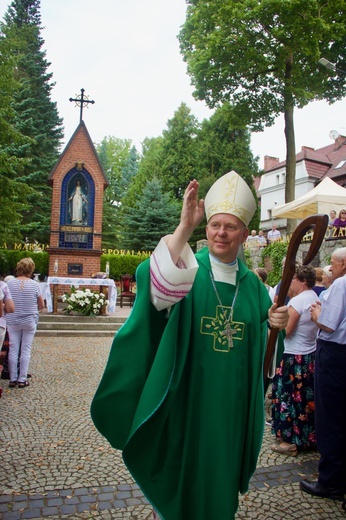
column 327, row 276
column 22, row 323
column 326, row 281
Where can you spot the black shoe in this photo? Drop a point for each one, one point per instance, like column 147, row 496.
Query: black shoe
column 28, row 376
column 315, row 489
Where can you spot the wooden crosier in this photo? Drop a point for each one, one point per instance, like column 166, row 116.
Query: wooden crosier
column 319, row 224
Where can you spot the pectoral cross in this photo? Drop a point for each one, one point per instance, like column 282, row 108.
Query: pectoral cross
column 228, row 332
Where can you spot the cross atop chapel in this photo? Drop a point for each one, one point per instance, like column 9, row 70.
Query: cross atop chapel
column 82, row 101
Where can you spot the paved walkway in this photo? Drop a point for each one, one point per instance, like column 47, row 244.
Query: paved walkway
column 54, row 464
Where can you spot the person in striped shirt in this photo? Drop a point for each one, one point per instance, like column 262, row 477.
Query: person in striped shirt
column 22, row 323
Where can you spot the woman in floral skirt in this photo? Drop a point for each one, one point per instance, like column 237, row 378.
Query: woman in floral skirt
column 292, row 405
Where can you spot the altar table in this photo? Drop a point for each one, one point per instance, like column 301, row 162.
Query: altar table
column 59, row 280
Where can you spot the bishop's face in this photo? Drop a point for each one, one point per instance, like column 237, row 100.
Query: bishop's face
column 225, row 233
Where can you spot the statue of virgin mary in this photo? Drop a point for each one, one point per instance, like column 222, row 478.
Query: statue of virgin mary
column 78, row 205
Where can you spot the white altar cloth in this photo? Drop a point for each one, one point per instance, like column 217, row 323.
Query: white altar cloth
column 59, row 280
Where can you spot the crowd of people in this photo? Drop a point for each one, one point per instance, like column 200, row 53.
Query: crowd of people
column 259, row 240
column 308, row 391
column 197, row 333
column 338, row 222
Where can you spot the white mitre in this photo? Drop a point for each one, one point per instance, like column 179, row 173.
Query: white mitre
column 230, row 194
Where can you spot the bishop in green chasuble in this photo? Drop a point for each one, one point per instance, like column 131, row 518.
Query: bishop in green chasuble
column 185, row 404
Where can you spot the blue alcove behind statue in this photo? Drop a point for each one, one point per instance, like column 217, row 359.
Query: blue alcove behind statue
column 81, row 235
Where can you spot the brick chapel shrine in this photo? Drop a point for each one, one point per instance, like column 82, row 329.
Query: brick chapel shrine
column 78, row 183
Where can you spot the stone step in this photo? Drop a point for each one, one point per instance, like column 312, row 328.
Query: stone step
column 74, row 333
column 67, row 325
column 62, row 318
column 107, row 326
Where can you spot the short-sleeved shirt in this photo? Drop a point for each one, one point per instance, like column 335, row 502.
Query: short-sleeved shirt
column 303, row 338
column 333, row 314
column 24, row 295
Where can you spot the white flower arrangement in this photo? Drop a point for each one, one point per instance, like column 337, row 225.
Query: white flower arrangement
column 84, row 301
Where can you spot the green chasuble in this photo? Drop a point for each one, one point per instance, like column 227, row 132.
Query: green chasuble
column 186, row 408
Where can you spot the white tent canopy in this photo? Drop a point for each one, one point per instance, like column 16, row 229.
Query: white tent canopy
column 326, row 196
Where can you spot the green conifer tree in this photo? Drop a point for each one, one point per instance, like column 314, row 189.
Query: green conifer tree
column 13, row 194
column 178, row 150
column 35, row 116
column 154, row 215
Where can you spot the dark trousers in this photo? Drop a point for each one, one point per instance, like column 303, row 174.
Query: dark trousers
column 330, row 413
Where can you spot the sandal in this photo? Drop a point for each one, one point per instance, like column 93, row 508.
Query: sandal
column 23, row 384
column 12, row 384
column 284, row 449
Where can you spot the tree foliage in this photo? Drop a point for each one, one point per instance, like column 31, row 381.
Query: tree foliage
column 263, row 57
column 34, row 115
column 257, row 52
column 13, row 192
column 114, row 154
column 30, row 138
column 119, row 160
column 272, row 257
column 149, row 167
column 187, row 150
column 179, row 151
column 222, row 145
column 155, row 214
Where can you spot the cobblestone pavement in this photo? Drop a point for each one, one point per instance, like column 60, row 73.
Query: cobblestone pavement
column 54, row 464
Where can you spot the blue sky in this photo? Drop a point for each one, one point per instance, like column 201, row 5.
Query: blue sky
column 125, row 54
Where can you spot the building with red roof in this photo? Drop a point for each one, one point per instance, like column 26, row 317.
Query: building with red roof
column 312, row 166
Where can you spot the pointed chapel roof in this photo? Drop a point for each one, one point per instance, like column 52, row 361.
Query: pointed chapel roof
column 80, row 128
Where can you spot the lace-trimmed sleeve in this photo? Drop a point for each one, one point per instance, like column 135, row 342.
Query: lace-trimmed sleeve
column 169, row 282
